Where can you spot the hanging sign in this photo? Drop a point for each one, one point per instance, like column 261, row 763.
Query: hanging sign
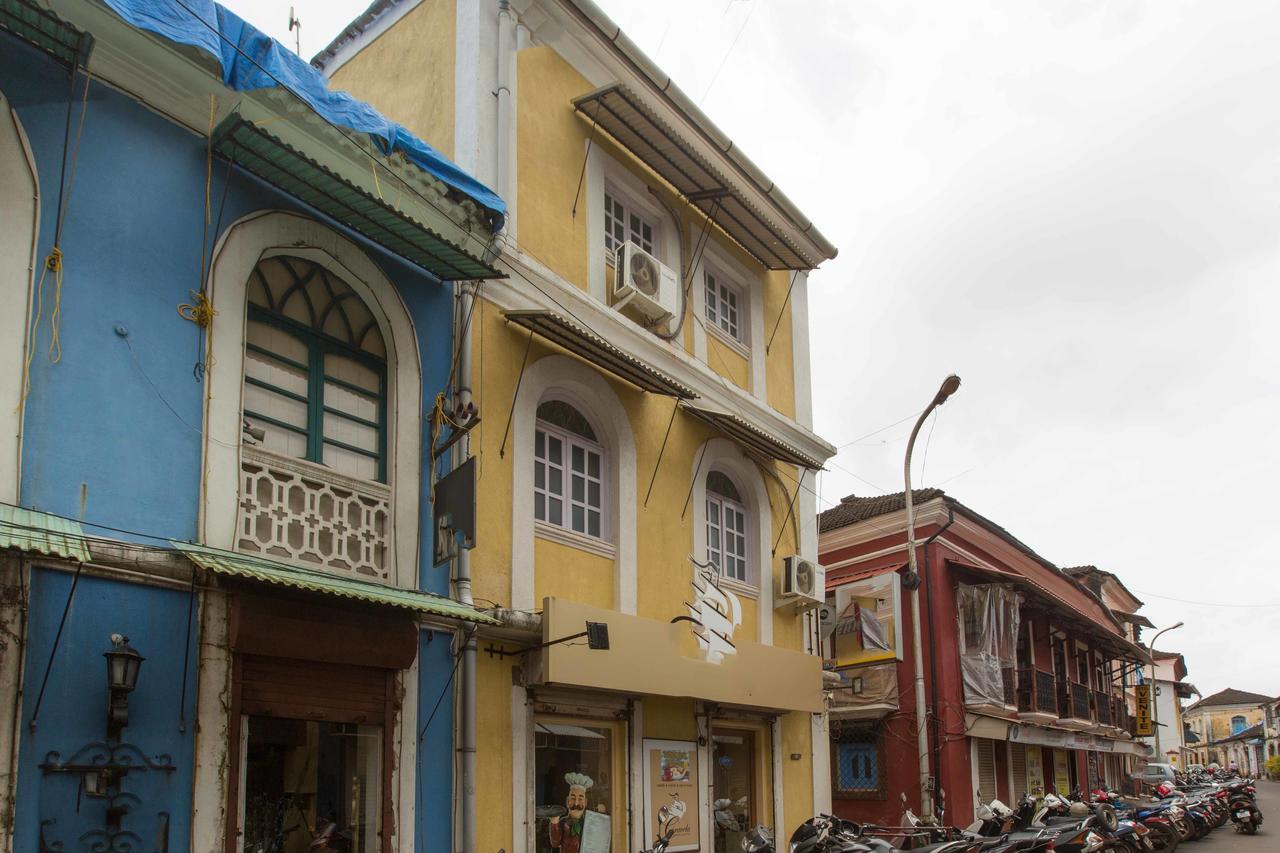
column 671, row 792
column 1143, row 716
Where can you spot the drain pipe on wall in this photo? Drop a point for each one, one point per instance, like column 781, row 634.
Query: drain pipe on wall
column 464, row 408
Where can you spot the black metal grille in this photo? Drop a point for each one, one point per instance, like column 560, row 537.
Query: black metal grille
column 1102, row 705
column 857, row 762
column 1080, row 702
column 1046, row 692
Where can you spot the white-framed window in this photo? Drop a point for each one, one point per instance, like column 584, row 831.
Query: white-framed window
column 568, row 471
column 726, row 527
column 625, row 221
column 724, row 301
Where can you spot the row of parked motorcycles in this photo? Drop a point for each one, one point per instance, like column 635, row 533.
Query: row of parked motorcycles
column 1103, row 822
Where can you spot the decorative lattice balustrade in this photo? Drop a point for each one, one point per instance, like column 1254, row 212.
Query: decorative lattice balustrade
column 295, row 510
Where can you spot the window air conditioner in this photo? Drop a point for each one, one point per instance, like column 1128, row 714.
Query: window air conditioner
column 804, row 584
column 644, row 285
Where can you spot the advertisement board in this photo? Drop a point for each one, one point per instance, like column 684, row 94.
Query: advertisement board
column 1035, row 770
column 1142, row 717
column 1061, row 772
column 671, row 792
column 864, row 620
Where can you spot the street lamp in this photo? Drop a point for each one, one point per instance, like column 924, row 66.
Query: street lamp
column 912, row 582
column 1155, row 700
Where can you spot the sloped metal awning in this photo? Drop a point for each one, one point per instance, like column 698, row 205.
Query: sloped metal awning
column 752, row 437
column 637, row 126
column 585, row 343
column 283, row 574
column 256, row 149
column 40, row 533
column 38, row 26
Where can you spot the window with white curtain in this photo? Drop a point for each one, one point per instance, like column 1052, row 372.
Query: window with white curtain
column 726, row 527
column 315, row 375
column 568, row 473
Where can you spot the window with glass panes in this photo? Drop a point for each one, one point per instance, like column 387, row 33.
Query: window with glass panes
column 568, row 470
column 857, row 756
column 315, row 371
column 722, row 300
column 726, row 527
column 622, row 223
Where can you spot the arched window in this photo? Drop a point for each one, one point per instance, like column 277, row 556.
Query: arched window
column 726, row 527
column 1237, row 725
column 315, row 370
column 568, row 470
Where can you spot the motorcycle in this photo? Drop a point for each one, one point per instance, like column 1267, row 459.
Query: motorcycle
column 1243, row 807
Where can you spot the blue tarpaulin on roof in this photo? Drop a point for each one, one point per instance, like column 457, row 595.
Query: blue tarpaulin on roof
column 250, row 59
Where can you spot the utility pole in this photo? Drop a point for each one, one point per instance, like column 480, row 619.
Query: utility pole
column 295, row 27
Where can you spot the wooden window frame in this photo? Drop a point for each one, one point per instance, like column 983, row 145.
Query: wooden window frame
column 570, row 440
column 719, row 291
column 632, row 214
column 318, row 346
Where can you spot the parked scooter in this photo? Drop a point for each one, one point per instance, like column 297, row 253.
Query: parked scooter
column 1243, row 805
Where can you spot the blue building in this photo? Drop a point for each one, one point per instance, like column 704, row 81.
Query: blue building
column 227, row 301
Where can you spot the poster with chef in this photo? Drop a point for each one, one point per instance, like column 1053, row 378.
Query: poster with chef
column 671, row 793
column 861, row 622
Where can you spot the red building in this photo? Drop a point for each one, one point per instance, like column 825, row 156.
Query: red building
column 1024, row 668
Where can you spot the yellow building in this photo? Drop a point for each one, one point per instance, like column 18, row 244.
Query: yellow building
column 1214, row 718
column 644, row 454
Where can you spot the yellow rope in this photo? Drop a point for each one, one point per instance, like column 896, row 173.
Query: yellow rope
column 54, row 263
column 201, row 312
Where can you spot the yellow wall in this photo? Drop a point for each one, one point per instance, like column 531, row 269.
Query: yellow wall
column 407, row 73
column 493, row 753
column 1216, row 722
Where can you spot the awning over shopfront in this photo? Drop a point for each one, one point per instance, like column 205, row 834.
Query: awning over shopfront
column 752, row 437
column 38, row 26
column 588, row 345
column 283, row 574
column 708, row 173
column 258, row 150
column 1061, row 738
column 40, row 533
column 647, row 656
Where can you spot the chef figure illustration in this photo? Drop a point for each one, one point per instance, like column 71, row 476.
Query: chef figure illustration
column 566, row 833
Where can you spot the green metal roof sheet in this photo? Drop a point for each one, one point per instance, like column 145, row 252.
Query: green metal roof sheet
column 45, row 30
column 284, row 574
column 283, row 166
column 41, row 533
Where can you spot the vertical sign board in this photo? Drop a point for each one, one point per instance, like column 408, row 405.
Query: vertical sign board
column 671, row 792
column 1142, row 718
column 1061, row 772
column 1035, row 771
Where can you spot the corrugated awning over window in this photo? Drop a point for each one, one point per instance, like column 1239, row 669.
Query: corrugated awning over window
column 296, row 577
column 40, row 533
column 42, row 28
column 752, row 437
column 287, row 168
column 583, row 342
column 638, row 127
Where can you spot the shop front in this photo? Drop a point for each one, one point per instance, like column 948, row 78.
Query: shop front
column 648, row 735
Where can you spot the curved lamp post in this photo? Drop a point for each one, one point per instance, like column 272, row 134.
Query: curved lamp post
column 1155, row 700
column 949, row 387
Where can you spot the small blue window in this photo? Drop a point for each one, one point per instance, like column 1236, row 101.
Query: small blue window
column 857, row 767
column 1237, row 725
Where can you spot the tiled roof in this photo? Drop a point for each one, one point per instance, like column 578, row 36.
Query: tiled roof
column 853, row 509
column 1231, row 696
column 1253, row 731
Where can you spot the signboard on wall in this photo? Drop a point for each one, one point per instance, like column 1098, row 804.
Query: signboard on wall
column 864, row 624
column 1035, row 770
column 671, row 792
column 1061, row 772
column 1142, row 716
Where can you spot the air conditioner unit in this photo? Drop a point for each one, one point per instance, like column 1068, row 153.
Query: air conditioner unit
column 804, row 584
column 644, row 285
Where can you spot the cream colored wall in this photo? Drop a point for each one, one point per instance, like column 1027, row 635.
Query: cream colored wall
column 407, row 73
column 1217, row 721
column 551, row 146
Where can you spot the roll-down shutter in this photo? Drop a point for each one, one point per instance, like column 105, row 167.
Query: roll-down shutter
column 986, row 754
column 1018, row 763
column 310, row 690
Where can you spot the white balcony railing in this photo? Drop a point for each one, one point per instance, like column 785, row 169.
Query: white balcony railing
column 301, row 512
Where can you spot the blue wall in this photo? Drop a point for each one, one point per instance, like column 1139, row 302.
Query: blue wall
column 74, row 710
column 120, row 416
column 436, row 682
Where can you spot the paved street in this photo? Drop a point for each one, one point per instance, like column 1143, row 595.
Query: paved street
column 1227, row 840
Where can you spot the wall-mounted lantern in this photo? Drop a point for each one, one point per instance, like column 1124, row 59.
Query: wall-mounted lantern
column 123, row 665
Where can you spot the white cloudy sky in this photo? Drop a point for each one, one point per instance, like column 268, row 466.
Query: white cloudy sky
column 1073, row 205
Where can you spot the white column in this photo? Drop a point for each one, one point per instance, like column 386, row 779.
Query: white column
column 213, row 704
column 820, row 744
column 520, row 758
column 775, row 742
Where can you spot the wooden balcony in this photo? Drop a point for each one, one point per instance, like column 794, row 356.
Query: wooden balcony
column 1073, row 706
column 1037, row 696
column 866, row 693
column 1102, row 708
